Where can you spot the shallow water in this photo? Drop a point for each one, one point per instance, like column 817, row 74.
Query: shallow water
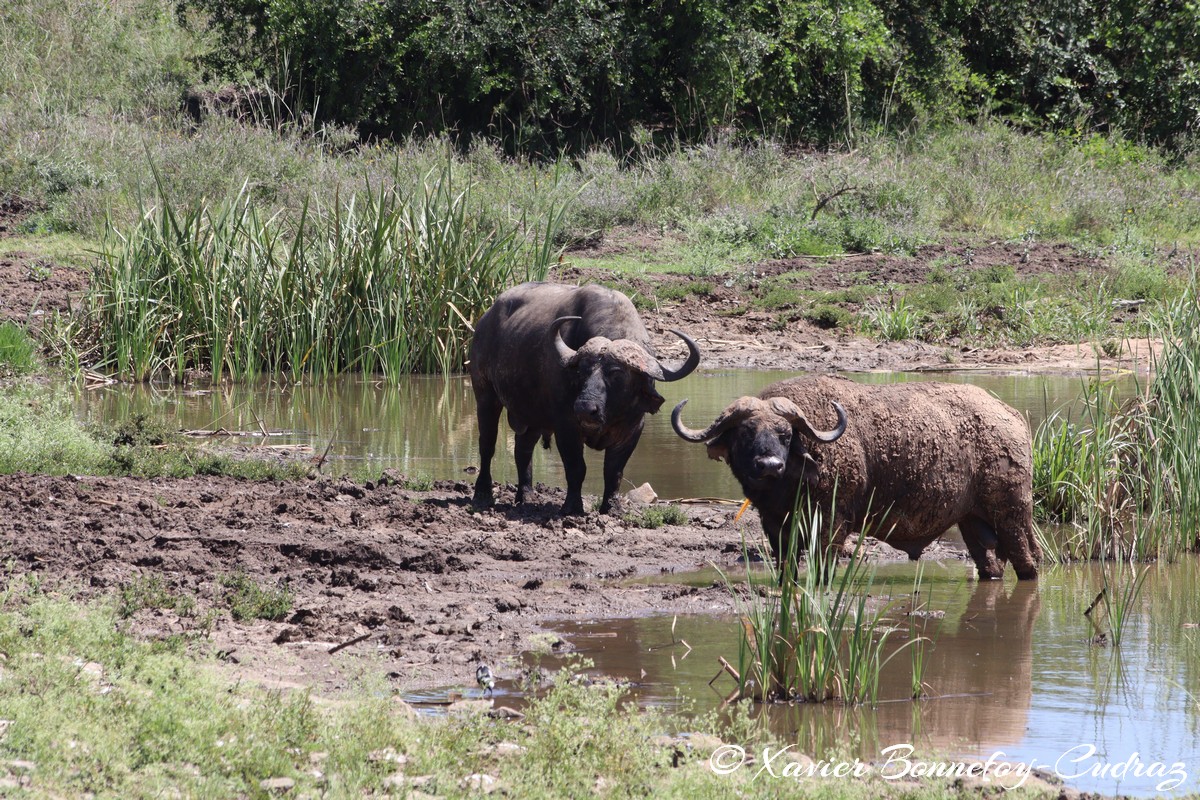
column 1010, row 670
column 426, row 425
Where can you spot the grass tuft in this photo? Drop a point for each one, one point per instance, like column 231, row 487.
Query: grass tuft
column 653, row 517
column 247, row 600
column 18, row 354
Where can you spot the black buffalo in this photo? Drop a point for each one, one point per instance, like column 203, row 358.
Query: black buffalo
column 570, row 362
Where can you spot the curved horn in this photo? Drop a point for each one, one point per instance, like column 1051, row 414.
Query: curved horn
column 789, row 411
column 693, row 361
column 565, row 354
column 734, row 413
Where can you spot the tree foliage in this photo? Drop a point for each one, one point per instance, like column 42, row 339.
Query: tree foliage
column 548, row 74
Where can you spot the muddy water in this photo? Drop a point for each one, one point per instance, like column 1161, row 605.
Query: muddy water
column 1010, row 670
column 426, row 425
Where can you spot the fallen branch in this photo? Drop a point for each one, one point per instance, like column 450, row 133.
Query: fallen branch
column 354, row 641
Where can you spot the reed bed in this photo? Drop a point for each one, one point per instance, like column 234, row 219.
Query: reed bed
column 814, row 638
column 388, row 281
column 1125, row 480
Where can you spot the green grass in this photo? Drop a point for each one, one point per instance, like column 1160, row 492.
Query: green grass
column 247, row 600
column 816, row 638
column 39, row 434
column 386, row 282
column 1125, row 479
column 99, row 711
column 653, row 517
column 151, row 591
column 18, row 353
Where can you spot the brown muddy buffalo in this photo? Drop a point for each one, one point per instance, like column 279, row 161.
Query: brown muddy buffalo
column 903, row 461
column 573, row 362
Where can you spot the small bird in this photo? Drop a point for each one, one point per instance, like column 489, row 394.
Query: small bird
column 485, row 679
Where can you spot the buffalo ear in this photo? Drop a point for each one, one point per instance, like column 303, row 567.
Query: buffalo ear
column 718, row 449
column 652, row 399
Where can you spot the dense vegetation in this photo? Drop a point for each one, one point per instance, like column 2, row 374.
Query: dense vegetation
column 206, row 143
column 545, row 75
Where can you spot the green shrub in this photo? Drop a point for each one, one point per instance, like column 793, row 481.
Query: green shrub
column 247, row 600
column 652, row 517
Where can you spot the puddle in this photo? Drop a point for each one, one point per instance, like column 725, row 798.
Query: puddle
column 426, row 425
column 1011, row 670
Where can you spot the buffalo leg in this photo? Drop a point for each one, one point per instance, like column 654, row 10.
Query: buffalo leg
column 487, row 411
column 1017, row 542
column 615, row 459
column 524, row 452
column 981, row 543
column 570, row 448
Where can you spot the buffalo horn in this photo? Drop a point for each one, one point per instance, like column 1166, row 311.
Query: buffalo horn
column 737, row 411
column 565, row 353
column 693, row 361
column 789, row 411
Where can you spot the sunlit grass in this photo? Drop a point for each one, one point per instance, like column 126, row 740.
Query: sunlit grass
column 387, row 282
column 1126, row 478
column 813, row 635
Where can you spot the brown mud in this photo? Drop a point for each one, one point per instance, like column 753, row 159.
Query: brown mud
column 434, row 586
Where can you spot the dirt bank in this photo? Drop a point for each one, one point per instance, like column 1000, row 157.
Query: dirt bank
column 735, row 331
column 437, row 586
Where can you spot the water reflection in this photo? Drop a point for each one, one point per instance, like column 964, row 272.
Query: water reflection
column 1010, row 669
column 426, row 424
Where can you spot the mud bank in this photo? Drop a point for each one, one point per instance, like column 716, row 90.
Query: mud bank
column 435, row 586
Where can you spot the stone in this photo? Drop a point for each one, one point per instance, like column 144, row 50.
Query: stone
column 276, row 784
column 480, row 782
column 643, row 494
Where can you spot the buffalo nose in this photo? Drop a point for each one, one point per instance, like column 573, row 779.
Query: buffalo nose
column 589, row 411
column 769, row 466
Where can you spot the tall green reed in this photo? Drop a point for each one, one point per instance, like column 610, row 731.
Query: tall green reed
column 814, row 638
column 1126, row 479
column 388, row 280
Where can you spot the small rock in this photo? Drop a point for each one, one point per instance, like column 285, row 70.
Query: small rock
column 480, row 782
column 504, row 712
column 508, row 603
column 406, row 710
column 290, row 633
column 276, row 784
column 318, row 757
column 388, row 754
column 394, row 781
column 470, row 707
column 643, row 494
column 704, row 744
column 502, row 749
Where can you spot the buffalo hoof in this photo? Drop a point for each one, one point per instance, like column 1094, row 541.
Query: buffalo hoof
column 483, row 497
column 572, row 508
